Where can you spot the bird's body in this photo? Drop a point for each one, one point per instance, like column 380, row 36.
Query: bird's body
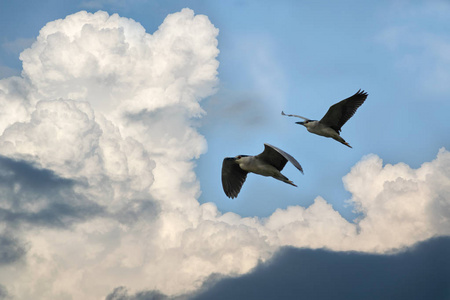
column 336, row 116
column 254, row 164
column 318, row 128
column 268, row 163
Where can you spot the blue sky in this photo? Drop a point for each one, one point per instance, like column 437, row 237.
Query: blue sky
column 300, row 57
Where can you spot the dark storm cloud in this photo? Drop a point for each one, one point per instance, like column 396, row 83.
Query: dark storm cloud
column 37, row 196
column 421, row 272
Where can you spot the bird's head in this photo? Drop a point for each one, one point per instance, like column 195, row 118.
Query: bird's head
column 305, row 123
column 239, row 157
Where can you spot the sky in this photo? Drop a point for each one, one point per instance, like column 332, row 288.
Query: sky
column 116, row 117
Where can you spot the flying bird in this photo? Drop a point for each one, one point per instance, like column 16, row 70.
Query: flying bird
column 336, row 116
column 268, row 163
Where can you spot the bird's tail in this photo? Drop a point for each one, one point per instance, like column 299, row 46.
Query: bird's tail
column 290, row 182
column 283, row 178
column 346, row 144
column 341, row 140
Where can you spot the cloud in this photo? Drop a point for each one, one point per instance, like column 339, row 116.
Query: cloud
column 397, row 196
column 99, row 193
column 103, row 116
column 4, row 293
column 397, row 203
column 420, row 272
column 36, row 196
column 11, row 250
column 121, row 293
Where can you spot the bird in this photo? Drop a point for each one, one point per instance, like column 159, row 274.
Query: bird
column 268, row 163
column 336, row 116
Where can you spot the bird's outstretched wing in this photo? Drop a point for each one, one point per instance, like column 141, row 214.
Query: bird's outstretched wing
column 341, row 112
column 277, row 157
column 233, row 177
column 283, row 114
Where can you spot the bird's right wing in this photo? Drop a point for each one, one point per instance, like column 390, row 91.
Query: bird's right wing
column 283, row 114
column 277, row 157
column 233, row 177
column 342, row 111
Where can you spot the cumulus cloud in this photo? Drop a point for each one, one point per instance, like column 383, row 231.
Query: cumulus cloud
column 399, row 206
column 397, row 196
column 102, row 116
column 98, row 190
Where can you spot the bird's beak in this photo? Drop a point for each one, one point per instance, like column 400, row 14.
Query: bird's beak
column 301, row 123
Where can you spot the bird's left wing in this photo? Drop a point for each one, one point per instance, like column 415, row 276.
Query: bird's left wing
column 233, row 177
column 342, row 111
column 283, row 114
column 277, row 157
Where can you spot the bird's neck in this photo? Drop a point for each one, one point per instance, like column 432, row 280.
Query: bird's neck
column 312, row 124
column 246, row 162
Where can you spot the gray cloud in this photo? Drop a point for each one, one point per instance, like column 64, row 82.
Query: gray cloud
column 121, row 293
column 4, row 293
column 420, row 272
column 417, row 272
column 136, row 210
column 40, row 197
column 11, row 250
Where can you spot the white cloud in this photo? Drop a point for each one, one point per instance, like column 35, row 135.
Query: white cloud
column 400, row 206
column 400, row 198
column 105, row 104
column 103, row 115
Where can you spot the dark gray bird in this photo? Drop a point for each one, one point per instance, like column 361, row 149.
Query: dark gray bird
column 268, row 163
column 336, row 116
